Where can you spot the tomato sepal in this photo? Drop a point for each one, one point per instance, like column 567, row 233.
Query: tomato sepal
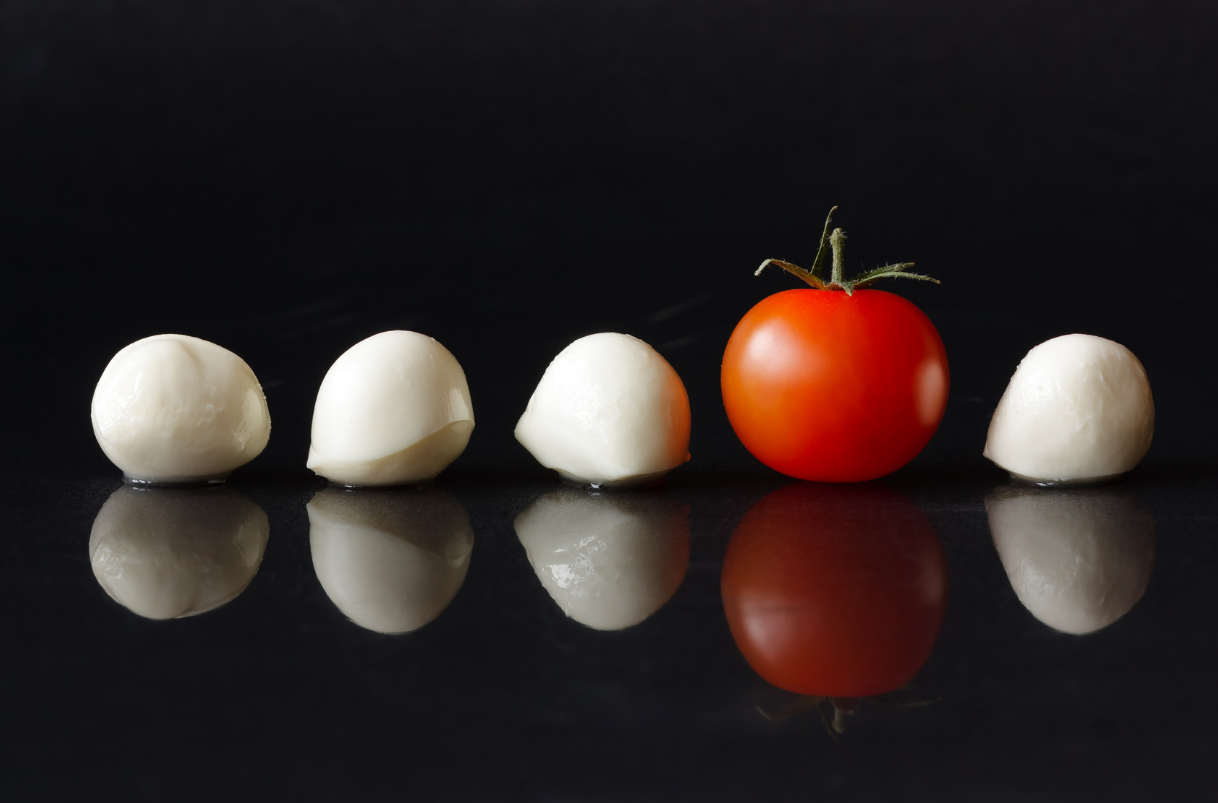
column 835, row 241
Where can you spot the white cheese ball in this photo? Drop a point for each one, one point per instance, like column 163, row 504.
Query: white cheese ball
column 609, row 411
column 391, row 561
column 177, row 409
column 1078, row 559
column 165, row 553
column 393, row 410
column 608, row 561
column 1078, row 408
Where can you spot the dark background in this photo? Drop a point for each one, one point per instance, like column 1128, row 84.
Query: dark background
column 287, row 178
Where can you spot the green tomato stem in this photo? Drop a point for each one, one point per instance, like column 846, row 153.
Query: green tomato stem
column 818, row 265
column 836, row 241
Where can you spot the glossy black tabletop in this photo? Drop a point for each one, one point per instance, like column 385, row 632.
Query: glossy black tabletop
column 498, row 693
column 287, row 178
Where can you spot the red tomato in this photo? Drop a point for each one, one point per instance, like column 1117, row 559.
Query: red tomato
column 826, row 386
column 835, row 591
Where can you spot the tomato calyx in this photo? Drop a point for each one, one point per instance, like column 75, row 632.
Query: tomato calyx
column 833, row 710
column 835, row 240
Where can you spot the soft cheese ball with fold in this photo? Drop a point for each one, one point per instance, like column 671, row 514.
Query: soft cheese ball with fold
column 609, row 411
column 173, row 408
column 393, row 410
column 1078, row 408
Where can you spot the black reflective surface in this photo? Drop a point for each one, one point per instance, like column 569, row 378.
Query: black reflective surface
column 286, row 178
column 500, row 694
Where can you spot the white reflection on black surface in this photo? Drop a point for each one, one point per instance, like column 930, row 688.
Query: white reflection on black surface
column 1078, row 559
column 391, row 560
column 608, row 560
column 167, row 553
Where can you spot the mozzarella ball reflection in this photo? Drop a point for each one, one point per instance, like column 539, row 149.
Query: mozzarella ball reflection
column 390, row 560
column 166, row 553
column 1078, row 559
column 609, row 561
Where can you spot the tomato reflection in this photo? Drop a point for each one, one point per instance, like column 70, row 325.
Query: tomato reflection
column 835, row 591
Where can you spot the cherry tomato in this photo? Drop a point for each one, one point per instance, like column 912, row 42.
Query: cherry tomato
column 835, row 387
column 835, row 591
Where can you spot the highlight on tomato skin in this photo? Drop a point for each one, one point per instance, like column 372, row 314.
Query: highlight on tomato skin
column 835, row 590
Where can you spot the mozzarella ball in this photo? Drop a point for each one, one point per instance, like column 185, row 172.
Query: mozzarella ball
column 1078, row 559
column 608, row 561
column 166, row 553
column 390, row 560
column 1077, row 409
column 174, row 409
column 609, row 411
column 393, row 410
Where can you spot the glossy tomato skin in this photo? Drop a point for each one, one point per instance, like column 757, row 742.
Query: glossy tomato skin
column 831, row 387
column 835, row 591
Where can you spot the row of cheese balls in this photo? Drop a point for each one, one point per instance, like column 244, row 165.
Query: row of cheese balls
column 609, row 411
column 394, row 409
